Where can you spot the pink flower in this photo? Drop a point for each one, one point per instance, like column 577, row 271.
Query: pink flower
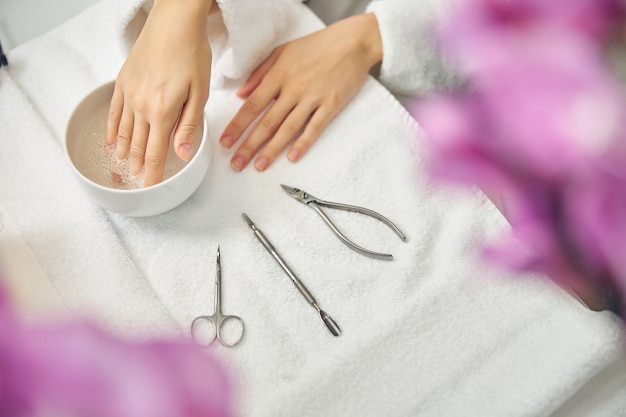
column 599, row 210
column 541, row 120
column 79, row 370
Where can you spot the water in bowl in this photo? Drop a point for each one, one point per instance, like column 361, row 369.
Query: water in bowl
column 97, row 161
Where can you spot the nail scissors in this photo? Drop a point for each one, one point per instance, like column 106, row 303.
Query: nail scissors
column 317, row 204
column 217, row 320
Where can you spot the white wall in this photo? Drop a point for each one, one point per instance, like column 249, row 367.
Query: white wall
column 21, row 20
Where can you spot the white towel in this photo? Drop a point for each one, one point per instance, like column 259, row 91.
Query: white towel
column 433, row 332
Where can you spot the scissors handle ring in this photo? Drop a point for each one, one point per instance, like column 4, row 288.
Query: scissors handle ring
column 217, row 321
column 211, row 320
column 220, row 323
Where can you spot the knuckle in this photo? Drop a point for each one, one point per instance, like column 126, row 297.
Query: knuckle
column 268, row 123
column 247, row 149
column 140, row 105
column 123, row 135
column 279, row 76
column 334, row 100
column 291, row 127
column 300, row 89
column 188, row 128
column 152, row 108
column 315, row 127
column 158, row 111
column 251, row 106
column 236, row 129
column 305, row 141
column 152, row 160
column 114, row 113
column 136, row 153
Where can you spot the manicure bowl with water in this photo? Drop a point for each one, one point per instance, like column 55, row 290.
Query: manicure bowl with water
column 108, row 182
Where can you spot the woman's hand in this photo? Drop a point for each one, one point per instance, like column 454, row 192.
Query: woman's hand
column 164, row 84
column 303, row 84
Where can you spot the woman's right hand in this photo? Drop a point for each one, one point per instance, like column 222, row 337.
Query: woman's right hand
column 164, row 84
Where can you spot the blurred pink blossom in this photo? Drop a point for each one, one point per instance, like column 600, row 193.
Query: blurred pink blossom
column 541, row 120
column 79, row 370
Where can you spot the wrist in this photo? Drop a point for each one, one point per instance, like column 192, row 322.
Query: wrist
column 193, row 8
column 370, row 38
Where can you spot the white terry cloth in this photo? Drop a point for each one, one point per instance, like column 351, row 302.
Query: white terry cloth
column 241, row 35
column 411, row 63
column 43, row 210
column 432, row 333
column 245, row 32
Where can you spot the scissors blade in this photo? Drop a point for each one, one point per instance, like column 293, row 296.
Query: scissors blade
column 218, row 283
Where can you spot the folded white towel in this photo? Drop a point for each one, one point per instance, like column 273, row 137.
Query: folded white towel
column 433, row 332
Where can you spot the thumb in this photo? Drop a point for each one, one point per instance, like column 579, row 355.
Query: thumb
column 187, row 127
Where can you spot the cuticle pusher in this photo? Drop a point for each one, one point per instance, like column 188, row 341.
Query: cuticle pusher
column 328, row 321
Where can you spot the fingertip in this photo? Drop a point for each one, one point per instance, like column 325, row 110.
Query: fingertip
column 227, row 141
column 109, row 138
column 247, row 88
column 262, row 163
column 183, row 142
column 238, row 163
column 294, row 154
column 184, row 151
column 186, row 130
column 243, row 92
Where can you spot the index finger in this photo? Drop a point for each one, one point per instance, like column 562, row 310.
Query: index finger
column 254, row 105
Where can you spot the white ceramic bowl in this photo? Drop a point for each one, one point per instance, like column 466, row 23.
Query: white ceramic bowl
column 92, row 161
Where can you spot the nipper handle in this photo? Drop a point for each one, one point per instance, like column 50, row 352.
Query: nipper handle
column 343, row 238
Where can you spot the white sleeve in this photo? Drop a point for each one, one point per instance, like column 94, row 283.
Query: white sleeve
column 411, row 64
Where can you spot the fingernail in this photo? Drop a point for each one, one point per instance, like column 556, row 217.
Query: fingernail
column 261, row 163
column 184, row 151
column 227, row 141
column 238, row 163
column 293, row 155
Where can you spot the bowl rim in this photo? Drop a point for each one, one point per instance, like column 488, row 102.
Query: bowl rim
column 203, row 143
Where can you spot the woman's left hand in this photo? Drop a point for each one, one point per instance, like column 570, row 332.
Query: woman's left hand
column 302, row 86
